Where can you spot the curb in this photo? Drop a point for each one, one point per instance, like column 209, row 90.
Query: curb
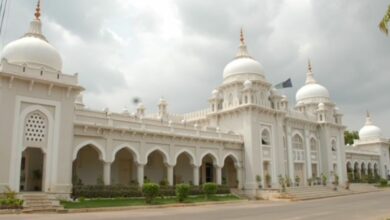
column 124, row 208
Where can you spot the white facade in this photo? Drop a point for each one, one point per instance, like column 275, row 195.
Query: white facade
column 49, row 138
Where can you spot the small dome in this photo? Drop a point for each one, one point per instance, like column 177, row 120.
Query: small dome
column 321, row 106
column 33, row 50
column 215, row 92
column 247, row 84
column 369, row 130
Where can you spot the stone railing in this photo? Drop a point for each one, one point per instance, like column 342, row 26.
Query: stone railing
column 121, row 121
column 301, row 115
column 196, row 115
column 38, row 73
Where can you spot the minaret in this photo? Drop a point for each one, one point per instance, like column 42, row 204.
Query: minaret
column 368, row 119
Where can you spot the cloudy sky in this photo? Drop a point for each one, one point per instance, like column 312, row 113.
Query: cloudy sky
column 178, row 48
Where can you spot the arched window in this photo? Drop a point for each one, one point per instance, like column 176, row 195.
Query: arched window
column 298, row 150
column 313, row 149
column 297, row 142
column 35, row 127
column 334, row 147
column 265, row 137
column 230, row 99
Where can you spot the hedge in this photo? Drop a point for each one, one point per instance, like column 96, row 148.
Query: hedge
column 117, row 191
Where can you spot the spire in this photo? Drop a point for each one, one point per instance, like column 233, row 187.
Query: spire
column 36, row 25
column 242, row 52
column 368, row 118
column 38, row 10
column 309, row 76
column 242, row 41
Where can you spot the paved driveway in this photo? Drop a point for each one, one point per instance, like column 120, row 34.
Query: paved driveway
column 363, row 206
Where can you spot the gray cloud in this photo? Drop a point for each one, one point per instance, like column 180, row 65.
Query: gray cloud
column 178, row 49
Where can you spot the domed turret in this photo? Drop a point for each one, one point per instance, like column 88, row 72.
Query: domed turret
column 312, row 92
column 369, row 131
column 243, row 65
column 33, row 49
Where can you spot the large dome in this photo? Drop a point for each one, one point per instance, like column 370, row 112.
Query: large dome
column 312, row 92
column 369, row 130
column 243, row 66
column 309, row 91
column 33, row 50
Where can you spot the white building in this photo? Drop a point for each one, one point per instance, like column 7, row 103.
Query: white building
column 48, row 137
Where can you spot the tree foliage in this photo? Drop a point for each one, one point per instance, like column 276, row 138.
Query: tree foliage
column 384, row 24
column 349, row 136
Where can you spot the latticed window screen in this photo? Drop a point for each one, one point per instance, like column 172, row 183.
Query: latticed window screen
column 35, row 127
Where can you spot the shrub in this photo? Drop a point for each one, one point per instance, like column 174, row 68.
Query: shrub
column 150, row 191
column 101, row 191
column 182, row 191
column 324, row 179
column 383, row 182
column 282, row 183
column 297, row 180
column 268, row 180
column 164, row 182
column 209, row 189
column 258, row 180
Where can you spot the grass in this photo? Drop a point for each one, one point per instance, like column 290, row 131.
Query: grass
column 120, row 202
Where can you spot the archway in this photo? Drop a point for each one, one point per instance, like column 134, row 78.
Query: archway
column 369, row 169
column 124, row 169
column 155, row 169
column 349, row 171
column 88, row 166
column 229, row 173
column 183, row 170
column 207, row 169
column 31, row 170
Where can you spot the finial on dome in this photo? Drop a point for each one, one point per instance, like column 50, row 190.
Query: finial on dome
column 242, row 52
column 242, row 40
column 368, row 118
column 38, row 10
column 309, row 76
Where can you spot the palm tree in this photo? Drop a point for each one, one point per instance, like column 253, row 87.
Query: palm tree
column 383, row 25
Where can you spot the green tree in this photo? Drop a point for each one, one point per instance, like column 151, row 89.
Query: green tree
column 349, row 136
column 384, row 24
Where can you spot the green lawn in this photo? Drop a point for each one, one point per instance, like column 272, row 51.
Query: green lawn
column 98, row 203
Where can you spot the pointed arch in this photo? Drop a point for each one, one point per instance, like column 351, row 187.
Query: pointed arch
column 213, row 156
column 128, row 147
column 161, row 150
column 190, row 155
column 234, row 158
column 96, row 146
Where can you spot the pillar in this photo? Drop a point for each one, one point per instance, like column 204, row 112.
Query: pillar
column 170, row 174
column 218, row 175
column 308, row 157
column 107, row 173
column 290, row 155
column 239, row 177
column 196, row 175
column 140, row 174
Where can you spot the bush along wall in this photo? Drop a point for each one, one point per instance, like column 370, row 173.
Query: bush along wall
column 116, row 191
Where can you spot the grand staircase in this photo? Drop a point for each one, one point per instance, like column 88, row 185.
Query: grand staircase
column 317, row 192
column 40, row 202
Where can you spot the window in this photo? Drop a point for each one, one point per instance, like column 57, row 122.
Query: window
column 35, row 127
column 298, row 150
column 313, row 149
column 265, row 137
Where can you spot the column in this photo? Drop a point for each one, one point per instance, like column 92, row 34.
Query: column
column 170, row 174
column 107, row 173
column 239, row 177
column 290, row 155
column 140, row 174
column 218, row 170
column 308, row 156
column 196, row 175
